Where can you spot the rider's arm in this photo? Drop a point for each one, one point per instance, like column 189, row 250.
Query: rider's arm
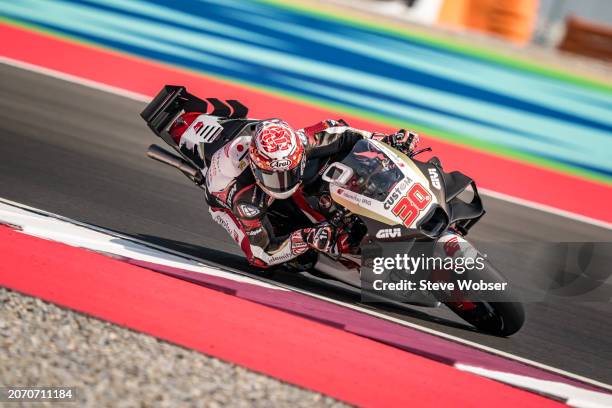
column 262, row 247
column 331, row 137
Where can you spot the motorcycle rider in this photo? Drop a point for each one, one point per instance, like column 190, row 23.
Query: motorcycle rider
column 248, row 173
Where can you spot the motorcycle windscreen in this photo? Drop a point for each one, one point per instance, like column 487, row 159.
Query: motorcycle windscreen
column 375, row 174
column 279, row 182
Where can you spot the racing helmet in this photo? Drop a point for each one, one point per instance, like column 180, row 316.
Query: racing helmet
column 277, row 158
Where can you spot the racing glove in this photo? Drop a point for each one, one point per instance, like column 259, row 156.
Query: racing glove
column 403, row 140
column 321, row 238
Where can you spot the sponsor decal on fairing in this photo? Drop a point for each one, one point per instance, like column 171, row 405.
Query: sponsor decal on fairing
column 389, row 233
column 395, row 194
column 435, row 178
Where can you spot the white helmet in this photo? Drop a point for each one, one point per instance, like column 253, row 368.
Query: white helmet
column 277, row 158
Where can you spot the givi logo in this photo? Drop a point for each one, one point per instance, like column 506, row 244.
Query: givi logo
column 389, row 233
column 435, row 178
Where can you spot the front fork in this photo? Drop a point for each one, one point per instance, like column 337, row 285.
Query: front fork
column 453, row 245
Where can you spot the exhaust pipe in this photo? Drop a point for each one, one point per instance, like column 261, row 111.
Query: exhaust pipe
column 157, row 153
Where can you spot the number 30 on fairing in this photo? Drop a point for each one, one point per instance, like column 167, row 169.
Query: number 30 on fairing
column 409, row 207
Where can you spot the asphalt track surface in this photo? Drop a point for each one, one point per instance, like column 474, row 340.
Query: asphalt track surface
column 79, row 152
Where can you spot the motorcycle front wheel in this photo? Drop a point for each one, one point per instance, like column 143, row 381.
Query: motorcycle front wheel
column 503, row 315
column 497, row 318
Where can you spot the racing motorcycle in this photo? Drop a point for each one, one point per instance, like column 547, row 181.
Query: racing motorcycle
column 381, row 200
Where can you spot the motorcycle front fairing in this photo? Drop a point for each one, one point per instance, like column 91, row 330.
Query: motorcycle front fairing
column 404, row 205
column 463, row 215
column 399, row 198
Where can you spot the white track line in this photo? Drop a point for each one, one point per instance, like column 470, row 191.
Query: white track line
column 574, row 396
column 320, row 297
column 545, row 208
column 144, row 98
column 75, row 79
column 38, row 224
